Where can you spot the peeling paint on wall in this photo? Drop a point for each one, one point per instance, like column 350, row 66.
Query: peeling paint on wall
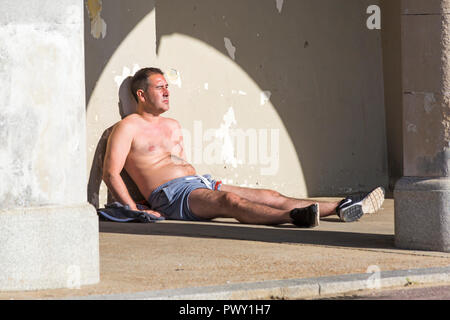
column 224, row 133
column 239, row 92
column 174, row 77
column 127, row 102
column 126, row 72
column 230, row 48
column 265, row 97
column 279, row 5
column 98, row 25
column 411, row 127
column 429, row 102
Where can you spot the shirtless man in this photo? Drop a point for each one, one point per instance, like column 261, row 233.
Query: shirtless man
column 150, row 148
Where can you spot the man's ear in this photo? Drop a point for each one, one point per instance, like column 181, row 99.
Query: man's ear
column 140, row 95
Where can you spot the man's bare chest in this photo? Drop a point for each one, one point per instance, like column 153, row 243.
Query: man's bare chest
column 154, row 140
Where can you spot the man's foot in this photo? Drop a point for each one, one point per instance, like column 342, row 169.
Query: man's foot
column 353, row 207
column 306, row 217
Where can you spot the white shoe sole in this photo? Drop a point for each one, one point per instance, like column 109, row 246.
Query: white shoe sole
column 370, row 204
column 373, row 201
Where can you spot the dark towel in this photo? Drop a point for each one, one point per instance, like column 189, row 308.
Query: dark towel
column 119, row 213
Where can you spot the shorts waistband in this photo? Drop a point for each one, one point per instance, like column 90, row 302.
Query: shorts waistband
column 184, row 178
column 170, row 182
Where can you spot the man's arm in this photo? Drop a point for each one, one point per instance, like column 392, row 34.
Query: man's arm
column 117, row 149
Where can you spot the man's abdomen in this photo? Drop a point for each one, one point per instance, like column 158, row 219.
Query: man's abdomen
column 150, row 178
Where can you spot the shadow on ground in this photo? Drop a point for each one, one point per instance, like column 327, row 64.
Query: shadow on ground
column 238, row 231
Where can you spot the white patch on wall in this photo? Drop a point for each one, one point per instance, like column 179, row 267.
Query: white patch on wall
column 126, row 72
column 429, row 102
column 174, row 77
column 98, row 25
column 230, row 48
column 206, row 86
column 279, row 5
column 265, row 97
column 239, row 92
column 224, row 133
column 127, row 103
column 411, row 127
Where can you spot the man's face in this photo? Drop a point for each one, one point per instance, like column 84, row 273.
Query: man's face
column 157, row 94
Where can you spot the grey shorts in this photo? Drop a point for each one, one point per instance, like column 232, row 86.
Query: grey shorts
column 172, row 198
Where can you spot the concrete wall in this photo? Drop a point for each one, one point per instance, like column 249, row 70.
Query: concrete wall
column 48, row 232
column 298, row 83
column 35, row 47
column 422, row 196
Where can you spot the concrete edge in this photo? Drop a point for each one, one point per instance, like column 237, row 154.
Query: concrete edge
column 290, row 288
column 49, row 247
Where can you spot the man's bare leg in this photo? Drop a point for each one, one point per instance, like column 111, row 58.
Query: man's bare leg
column 276, row 200
column 208, row 204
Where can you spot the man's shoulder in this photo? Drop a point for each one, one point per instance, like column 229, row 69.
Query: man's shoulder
column 172, row 121
column 130, row 120
column 128, row 123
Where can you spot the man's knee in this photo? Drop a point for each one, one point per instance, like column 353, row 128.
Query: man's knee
column 229, row 199
column 273, row 198
column 272, row 193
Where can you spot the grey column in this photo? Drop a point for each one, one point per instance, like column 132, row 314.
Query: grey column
column 422, row 196
column 48, row 231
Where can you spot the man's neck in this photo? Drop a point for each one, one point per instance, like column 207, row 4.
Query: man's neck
column 148, row 116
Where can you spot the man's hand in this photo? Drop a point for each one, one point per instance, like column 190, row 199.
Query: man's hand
column 146, row 209
column 153, row 213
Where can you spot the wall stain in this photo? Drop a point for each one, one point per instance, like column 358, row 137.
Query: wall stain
column 98, row 25
column 279, row 5
column 230, row 48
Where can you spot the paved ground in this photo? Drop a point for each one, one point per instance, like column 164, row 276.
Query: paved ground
column 419, row 292
column 172, row 255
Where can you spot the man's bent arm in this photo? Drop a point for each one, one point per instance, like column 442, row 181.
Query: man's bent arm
column 117, row 149
column 119, row 190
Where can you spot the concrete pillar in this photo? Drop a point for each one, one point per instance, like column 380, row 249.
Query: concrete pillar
column 48, row 232
column 422, row 196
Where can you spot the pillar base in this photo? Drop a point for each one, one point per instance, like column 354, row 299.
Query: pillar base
column 48, row 247
column 422, row 213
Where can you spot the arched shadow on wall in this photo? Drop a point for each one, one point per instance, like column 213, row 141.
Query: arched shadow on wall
column 323, row 68
column 328, row 102
column 121, row 17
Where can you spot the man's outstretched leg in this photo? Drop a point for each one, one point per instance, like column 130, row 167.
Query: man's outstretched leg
column 208, row 204
column 276, row 200
column 349, row 209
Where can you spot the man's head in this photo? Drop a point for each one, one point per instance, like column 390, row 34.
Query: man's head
column 150, row 89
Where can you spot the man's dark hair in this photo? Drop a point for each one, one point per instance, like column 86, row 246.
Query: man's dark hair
column 140, row 80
